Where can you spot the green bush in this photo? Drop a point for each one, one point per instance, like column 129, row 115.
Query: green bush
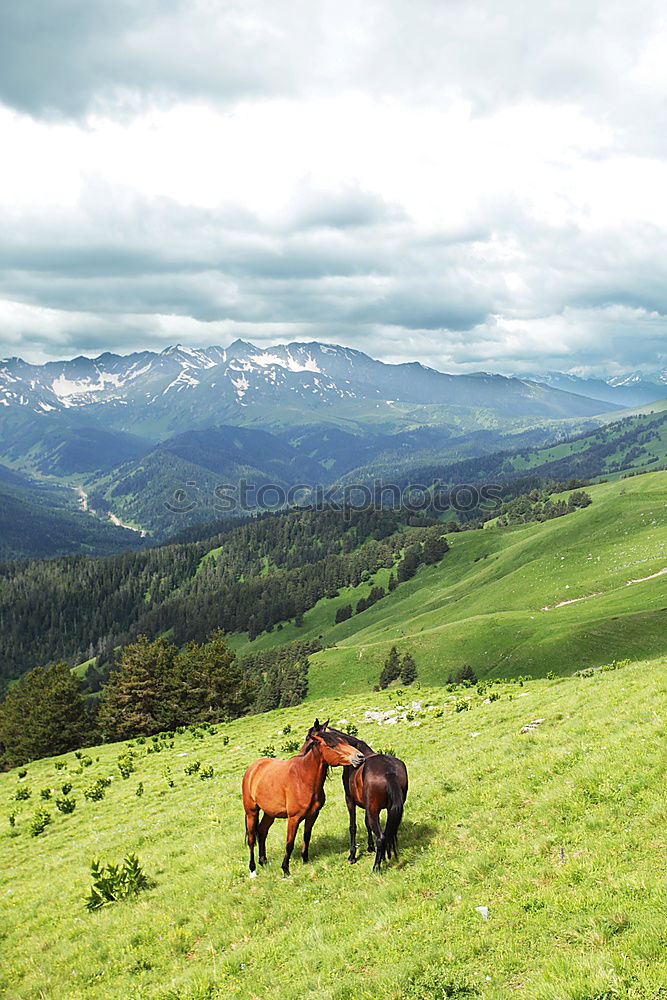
column 268, row 751
column 140, row 790
column 45, row 793
column 126, row 764
column 39, row 822
column 462, row 704
column 114, row 882
column 23, row 773
column 207, row 772
column 66, row 788
column 167, row 775
column 22, row 794
column 97, row 791
column 66, row 805
column 290, row 746
column 59, row 765
column 192, row 767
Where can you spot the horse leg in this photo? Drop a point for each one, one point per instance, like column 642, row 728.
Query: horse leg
column 307, row 830
column 264, row 827
column 373, row 821
column 352, row 809
column 251, row 817
column 292, row 827
column 371, row 842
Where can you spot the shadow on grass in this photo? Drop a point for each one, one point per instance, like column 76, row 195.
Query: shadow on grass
column 411, row 834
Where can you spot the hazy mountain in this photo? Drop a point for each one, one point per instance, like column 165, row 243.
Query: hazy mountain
column 631, row 390
column 155, row 395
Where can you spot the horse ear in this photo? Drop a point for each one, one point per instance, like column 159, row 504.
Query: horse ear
column 316, row 724
column 325, row 724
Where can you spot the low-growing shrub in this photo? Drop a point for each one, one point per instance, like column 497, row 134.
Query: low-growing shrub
column 290, row 746
column 12, row 819
column 207, row 772
column 97, row 791
column 23, row 773
column 462, row 704
column 494, row 696
column 268, row 751
column 192, row 767
column 389, row 751
column 140, row 790
column 167, row 775
column 45, row 793
column 39, row 822
column 114, row 882
column 66, row 805
column 59, row 764
column 126, row 764
column 66, row 788
column 22, row 794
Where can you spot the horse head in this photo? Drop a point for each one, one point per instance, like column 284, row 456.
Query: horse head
column 336, row 751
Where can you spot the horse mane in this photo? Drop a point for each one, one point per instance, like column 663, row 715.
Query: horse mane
column 356, row 743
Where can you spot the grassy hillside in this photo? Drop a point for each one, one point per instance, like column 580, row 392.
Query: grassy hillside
column 492, row 601
column 559, row 832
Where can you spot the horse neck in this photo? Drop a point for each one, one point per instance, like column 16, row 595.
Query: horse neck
column 313, row 767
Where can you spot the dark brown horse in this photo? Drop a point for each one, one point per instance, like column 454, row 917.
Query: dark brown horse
column 292, row 790
column 380, row 782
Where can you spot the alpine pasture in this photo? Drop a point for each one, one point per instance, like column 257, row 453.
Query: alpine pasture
column 559, row 832
column 532, row 864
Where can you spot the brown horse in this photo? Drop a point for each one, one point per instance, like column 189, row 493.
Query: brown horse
column 380, row 782
column 292, row 790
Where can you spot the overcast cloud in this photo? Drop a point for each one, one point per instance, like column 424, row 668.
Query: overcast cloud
column 467, row 183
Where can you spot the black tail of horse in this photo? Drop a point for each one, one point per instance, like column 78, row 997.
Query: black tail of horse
column 394, row 815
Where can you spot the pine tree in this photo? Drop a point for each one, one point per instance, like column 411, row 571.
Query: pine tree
column 212, row 685
column 142, row 696
column 391, row 669
column 408, row 670
column 43, row 714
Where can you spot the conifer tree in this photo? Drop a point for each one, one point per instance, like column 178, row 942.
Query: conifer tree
column 142, row 695
column 408, row 670
column 43, row 714
column 391, row 669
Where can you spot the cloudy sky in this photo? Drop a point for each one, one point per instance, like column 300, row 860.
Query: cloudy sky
column 471, row 183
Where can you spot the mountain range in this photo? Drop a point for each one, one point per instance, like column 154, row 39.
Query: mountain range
column 117, row 436
column 179, row 388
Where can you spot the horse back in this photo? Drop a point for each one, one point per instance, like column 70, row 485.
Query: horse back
column 369, row 783
column 266, row 784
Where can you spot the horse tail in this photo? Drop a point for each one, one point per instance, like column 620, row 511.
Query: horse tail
column 395, row 802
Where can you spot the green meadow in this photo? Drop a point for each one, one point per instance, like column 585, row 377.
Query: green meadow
column 560, row 832
column 527, row 600
column 532, row 864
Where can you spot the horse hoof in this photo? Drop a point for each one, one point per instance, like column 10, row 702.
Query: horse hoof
column 253, row 875
column 285, row 874
column 352, row 861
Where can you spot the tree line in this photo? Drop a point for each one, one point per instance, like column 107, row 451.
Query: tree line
column 155, row 687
